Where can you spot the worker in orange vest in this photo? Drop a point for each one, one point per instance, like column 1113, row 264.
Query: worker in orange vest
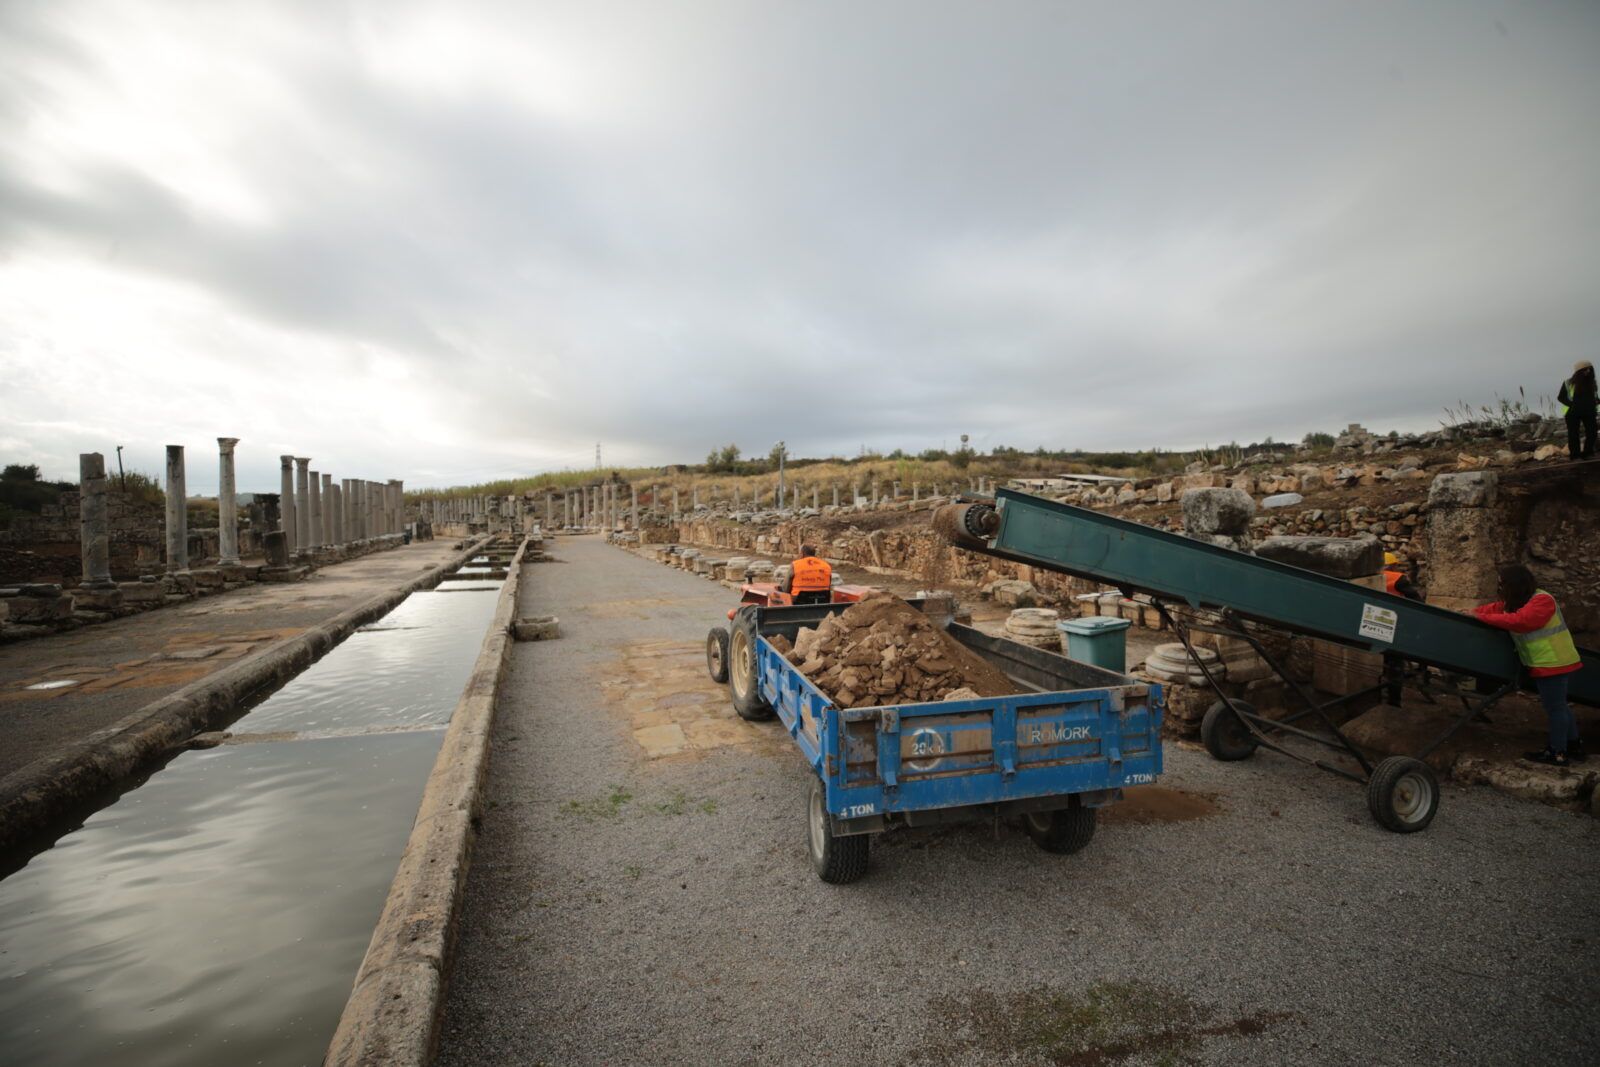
column 810, row 578
column 1396, row 580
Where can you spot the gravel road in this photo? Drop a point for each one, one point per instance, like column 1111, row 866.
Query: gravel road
column 624, row 909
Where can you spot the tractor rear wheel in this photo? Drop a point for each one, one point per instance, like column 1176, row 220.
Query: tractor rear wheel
column 744, row 682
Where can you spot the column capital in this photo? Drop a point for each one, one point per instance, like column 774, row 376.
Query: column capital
column 225, row 445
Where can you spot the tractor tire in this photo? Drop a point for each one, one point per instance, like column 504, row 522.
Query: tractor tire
column 744, row 683
column 717, row 654
column 1224, row 734
column 1403, row 794
column 1064, row 831
column 837, row 859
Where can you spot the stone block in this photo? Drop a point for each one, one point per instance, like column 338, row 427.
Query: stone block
column 1012, row 594
column 97, row 599
column 537, row 628
column 1465, row 489
column 1164, row 492
column 1337, row 557
column 1200, row 481
column 142, row 592
column 39, row 609
column 208, row 578
column 1217, row 511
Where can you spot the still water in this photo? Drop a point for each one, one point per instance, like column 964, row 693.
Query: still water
column 217, row 914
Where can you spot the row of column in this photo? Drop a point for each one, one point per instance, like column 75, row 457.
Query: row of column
column 314, row 512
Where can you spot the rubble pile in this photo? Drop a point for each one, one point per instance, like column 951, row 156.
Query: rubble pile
column 883, row 651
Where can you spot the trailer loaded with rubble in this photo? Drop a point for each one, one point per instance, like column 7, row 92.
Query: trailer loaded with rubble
column 1027, row 733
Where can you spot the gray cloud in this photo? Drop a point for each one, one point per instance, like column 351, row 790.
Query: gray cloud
column 673, row 227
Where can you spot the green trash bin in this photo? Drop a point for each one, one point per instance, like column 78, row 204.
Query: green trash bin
column 1098, row 639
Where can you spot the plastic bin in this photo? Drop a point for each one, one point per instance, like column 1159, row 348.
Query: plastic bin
column 1097, row 639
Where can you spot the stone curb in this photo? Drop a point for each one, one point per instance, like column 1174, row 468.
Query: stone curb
column 392, row 1017
column 73, row 783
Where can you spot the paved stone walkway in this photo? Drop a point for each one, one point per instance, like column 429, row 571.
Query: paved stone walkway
column 118, row 667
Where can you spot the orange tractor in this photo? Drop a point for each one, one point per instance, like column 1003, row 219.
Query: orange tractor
column 768, row 595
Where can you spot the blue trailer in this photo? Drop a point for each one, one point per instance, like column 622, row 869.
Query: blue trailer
column 1051, row 755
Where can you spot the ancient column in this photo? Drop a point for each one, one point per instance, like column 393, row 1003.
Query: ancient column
column 177, row 513
column 325, row 534
column 816, row 499
column 347, row 525
column 735, row 494
column 227, row 505
column 92, row 512
column 633, row 506
column 335, row 502
column 694, row 498
column 675, row 509
column 874, row 492
column 302, row 505
column 286, row 521
column 916, row 490
column 399, row 505
column 835, row 494
column 315, row 496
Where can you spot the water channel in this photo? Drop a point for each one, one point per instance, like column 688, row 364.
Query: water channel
column 218, row 913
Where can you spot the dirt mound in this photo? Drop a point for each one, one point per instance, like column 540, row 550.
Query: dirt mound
column 883, row 651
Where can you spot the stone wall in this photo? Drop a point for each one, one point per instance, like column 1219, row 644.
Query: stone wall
column 52, row 537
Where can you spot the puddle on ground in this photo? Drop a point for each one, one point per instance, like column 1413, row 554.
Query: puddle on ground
column 1145, row 804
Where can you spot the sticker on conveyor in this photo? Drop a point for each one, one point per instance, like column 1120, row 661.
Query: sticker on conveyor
column 1378, row 623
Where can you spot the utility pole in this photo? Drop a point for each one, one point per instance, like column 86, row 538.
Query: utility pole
column 120, row 472
column 781, row 453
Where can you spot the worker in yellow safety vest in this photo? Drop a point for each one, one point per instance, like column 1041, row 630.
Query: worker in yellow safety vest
column 810, row 578
column 1545, row 647
column 1396, row 580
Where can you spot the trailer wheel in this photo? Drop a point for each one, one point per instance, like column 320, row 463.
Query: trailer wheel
column 743, row 682
column 836, row 859
column 1064, row 831
column 1403, row 794
column 1224, row 734
column 717, row 654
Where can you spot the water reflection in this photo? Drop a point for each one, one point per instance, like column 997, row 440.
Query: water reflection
column 218, row 913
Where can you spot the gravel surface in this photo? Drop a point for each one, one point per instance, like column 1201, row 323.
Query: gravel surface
column 627, row 910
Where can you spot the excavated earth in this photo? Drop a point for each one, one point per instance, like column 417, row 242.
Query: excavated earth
column 882, row 651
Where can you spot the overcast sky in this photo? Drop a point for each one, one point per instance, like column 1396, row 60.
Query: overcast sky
column 458, row 241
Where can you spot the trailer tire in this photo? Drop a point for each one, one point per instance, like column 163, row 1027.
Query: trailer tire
column 1224, row 734
column 837, row 859
column 1403, row 794
column 1064, row 831
column 744, row 682
column 717, row 654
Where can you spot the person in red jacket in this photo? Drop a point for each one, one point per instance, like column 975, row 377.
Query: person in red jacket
column 1545, row 647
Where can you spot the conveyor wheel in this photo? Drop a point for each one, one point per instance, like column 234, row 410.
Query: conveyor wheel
column 1224, row 734
column 837, row 859
column 717, row 654
column 1403, row 794
column 743, row 683
column 1064, row 831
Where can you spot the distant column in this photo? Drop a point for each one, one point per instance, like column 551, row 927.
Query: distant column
column 227, row 505
column 735, row 494
column 694, row 498
column 92, row 511
column 335, row 501
column 302, row 505
column 315, row 496
column 633, row 506
column 347, row 526
column 397, row 490
column 177, row 513
column 874, row 492
column 835, row 494
column 326, row 535
column 286, row 516
column 916, row 490
column 816, row 498
column 676, row 510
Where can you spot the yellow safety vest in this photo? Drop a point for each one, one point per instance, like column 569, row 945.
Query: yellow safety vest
column 1551, row 646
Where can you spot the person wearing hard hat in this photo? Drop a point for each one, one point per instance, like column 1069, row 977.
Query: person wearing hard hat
column 1548, row 654
column 1396, row 580
column 1577, row 400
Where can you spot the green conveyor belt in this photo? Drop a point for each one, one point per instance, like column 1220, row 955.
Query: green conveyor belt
column 1142, row 559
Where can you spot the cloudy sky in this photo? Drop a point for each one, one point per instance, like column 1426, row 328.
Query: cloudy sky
column 459, row 241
